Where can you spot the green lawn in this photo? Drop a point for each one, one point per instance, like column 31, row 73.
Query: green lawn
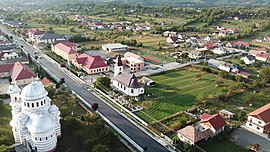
column 177, row 91
column 223, row 145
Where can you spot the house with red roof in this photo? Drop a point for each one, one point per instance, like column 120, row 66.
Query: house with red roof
column 243, row 44
column 259, row 55
column 231, row 30
column 207, row 127
column 90, row 64
column 259, row 120
column 34, row 34
column 67, row 50
column 19, row 72
column 172, row 39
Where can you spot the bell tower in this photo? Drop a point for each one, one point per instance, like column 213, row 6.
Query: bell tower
column 118, row 66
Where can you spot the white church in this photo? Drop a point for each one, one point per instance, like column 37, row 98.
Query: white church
column 34, row 119
column 128, row 84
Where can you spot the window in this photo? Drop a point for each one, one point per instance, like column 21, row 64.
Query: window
column 132, row 91
column 46, row 138
column 259, row 122
column 33, row 105
column 37, row 104
column 258, row 128
column 44, row 101
column 51, row 136
column 250, row 124
column 24, row 104
column 124, row 88
column 28, row 105
column 15, row 98
column 35, row 138
column 41, row 103
column 40, row 139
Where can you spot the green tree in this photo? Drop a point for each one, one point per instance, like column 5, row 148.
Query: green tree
column 105, row 81
column 4, row 148
column 72, row 29
column 265, row 75
column 100, row 148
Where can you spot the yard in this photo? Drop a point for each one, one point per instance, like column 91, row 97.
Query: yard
column 222, row 145
column 177, row 91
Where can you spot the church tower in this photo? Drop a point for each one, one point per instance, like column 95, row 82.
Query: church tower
column 118, row 66
column 14, row 92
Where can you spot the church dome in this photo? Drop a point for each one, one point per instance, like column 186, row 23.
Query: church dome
column 41, row 123
column 34, row 91
column 13, row 88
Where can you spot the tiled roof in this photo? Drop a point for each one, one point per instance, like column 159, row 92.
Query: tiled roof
column 36, row 32
column 262, row 56
column 250, row 57
column 194, row 134
column 5, row 67
column 21, row 71
column 45, row 81
column 130, row 54
column 242, row 43
column 129, row 81
column 262, row 113
column 69, row 44
column 91, row 62
column 65, row 48
column 216, row 121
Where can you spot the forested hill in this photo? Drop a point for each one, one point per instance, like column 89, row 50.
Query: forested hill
column 194, row 2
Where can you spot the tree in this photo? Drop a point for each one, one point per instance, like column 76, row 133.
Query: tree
column 72, row 29
column 65, row 111
column 105, row 81
column 265, row 75
column 30, row 59
column 100, row 148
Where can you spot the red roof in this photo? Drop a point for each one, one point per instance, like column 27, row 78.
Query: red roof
column 267, row 127
column 174, row 38
column 65, row 48
column 242, row 43
column 254, row 52
column 5, row 67
column 210, row 45
column 69, row 44
column 231, row 29
column 245, row 74
column 262, row 113
column 216, row 121
column 45, row 81
column 91, row 62
column 36, row 32
column 262, row 55
column 21, row 71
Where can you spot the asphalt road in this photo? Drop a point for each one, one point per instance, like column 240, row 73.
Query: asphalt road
column 137, row 135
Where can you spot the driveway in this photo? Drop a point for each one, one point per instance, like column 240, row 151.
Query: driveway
column 245, row 138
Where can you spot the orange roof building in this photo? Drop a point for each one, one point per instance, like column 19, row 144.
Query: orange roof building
column 207, row 127
column 259, row 120
column 19, row 72
column 67, row 50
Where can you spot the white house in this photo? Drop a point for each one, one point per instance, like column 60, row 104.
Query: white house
column 208, row 127
column 259, row 120
column 34, row 119
column 228, row 67
column 114, row 47
column 127, row 84
column 220, row 50
column 249, row 59
column 195, row 54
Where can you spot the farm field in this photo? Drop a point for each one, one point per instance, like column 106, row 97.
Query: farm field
column 176, row 91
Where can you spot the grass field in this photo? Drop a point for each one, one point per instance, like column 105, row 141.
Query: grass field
column 223, row 145
column 177, row 91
